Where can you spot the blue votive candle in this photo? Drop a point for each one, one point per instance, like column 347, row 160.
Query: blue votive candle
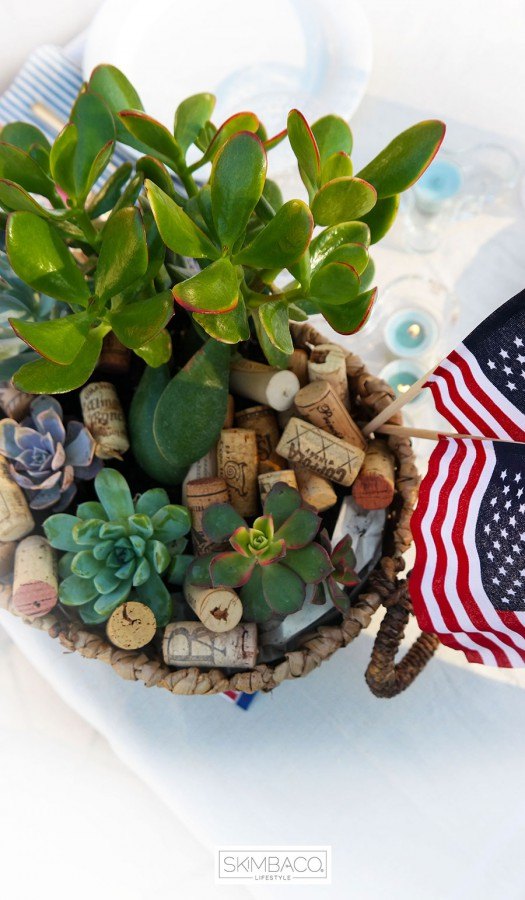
column 401, row 374
column 441, row 181
column 411, row 332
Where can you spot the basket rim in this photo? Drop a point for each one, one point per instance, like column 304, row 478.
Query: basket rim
column 320, row 643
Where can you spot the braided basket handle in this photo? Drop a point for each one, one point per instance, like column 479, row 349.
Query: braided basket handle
column 384, row 676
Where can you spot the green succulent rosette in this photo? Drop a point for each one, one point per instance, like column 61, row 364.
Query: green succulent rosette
column 119, row 548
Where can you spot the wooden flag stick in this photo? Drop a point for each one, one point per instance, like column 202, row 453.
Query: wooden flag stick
column 396, row 405
column 428, row 434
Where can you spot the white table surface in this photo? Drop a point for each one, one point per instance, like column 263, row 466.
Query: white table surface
column 67, row 799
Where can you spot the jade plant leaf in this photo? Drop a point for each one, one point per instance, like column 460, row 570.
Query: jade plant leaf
column 228, row 327
column 333, row 135
column 138, row 322
column 331, row 238
column 154, row 171
column 243, row 121
column 177, row 230
column 342, row 200
column 140, row 421
column 190, row 118
column 150, row 133
column 118, row 93
column 59, row 340
column 333, row 284
column 355, row 255
column 237, row 180
column 273, row 316
column 350, row 317
column 105, row 199
column 197, row 396
column 45, row 377
column 405, row 158
column 274, row 356
column 214, row 290
column 339, row 165
column 95, row 136
column 284, row 590
column 381, row 218
column 13, row 197
column 157, row 351
column 62, row 159
column 310, row 563
column 123, row 256
column 40, row 257
column 17, row 165
column 304, row 145
column 25, row 136
column 282, row 241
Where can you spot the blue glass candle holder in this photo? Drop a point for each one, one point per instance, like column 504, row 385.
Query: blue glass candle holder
column 411, row 332
column 401, row 374
column 441, row 181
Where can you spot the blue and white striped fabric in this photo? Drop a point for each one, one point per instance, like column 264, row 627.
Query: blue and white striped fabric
column 51, row 79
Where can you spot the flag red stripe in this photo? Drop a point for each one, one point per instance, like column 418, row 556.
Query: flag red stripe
column 488, row 401
column 459, row 538
column 460, row 402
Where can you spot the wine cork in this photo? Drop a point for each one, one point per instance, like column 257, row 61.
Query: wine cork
column 298, row 364
column 306, row 445
column 200, row 494
column 320, row 405
column 35, row 584
column 269, row 479
column 191, row 644
column 315, row 490
column 256, row 381
column 230, row 413
column 7, row 557
column 14, row 403
column 205, row 467
column 114, row 357
column 131, row 625
column 328, row 363
column 219, row 609
column 237, row 465
column 104, row 417
column 375, row 485
column 263, row 421
column 15, row 516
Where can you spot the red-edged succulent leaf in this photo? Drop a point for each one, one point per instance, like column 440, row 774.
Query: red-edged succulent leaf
column 311, row 563
column 299, row 529
column 350, row 317
column 220, row 521
column 254, row 605
column 281, row 502
column 230, row 569
column 343, row 200
column 284, row 591
column 213, row 291
column 240, row 541
column 334, row 284
column 343, row 558
column 269, row 556
column 381, row 218
column 305, row 148
column 337, row 595
column 241, row 121
column 270, row 143
column 264, row 524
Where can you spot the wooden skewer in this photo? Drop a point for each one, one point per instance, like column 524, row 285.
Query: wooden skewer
column 428, row 434
column 396, row 405
column 47, row 116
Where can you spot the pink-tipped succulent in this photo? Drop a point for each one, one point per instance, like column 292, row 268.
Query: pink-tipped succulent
column 271, row 562
column 343, row 576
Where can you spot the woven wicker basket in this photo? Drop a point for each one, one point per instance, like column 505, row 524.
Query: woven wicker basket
column 385, row 678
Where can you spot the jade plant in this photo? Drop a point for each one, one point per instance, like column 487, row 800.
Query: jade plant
column 193, row 224
column 272, row 561
column 117, row 548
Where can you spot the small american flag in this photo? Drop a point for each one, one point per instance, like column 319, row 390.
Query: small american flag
column 468, row 582
column 480, row 386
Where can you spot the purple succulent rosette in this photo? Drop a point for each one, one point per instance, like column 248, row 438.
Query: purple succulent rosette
column 47, row 457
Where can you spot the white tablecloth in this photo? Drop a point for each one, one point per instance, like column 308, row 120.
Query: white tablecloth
column 420, row 796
